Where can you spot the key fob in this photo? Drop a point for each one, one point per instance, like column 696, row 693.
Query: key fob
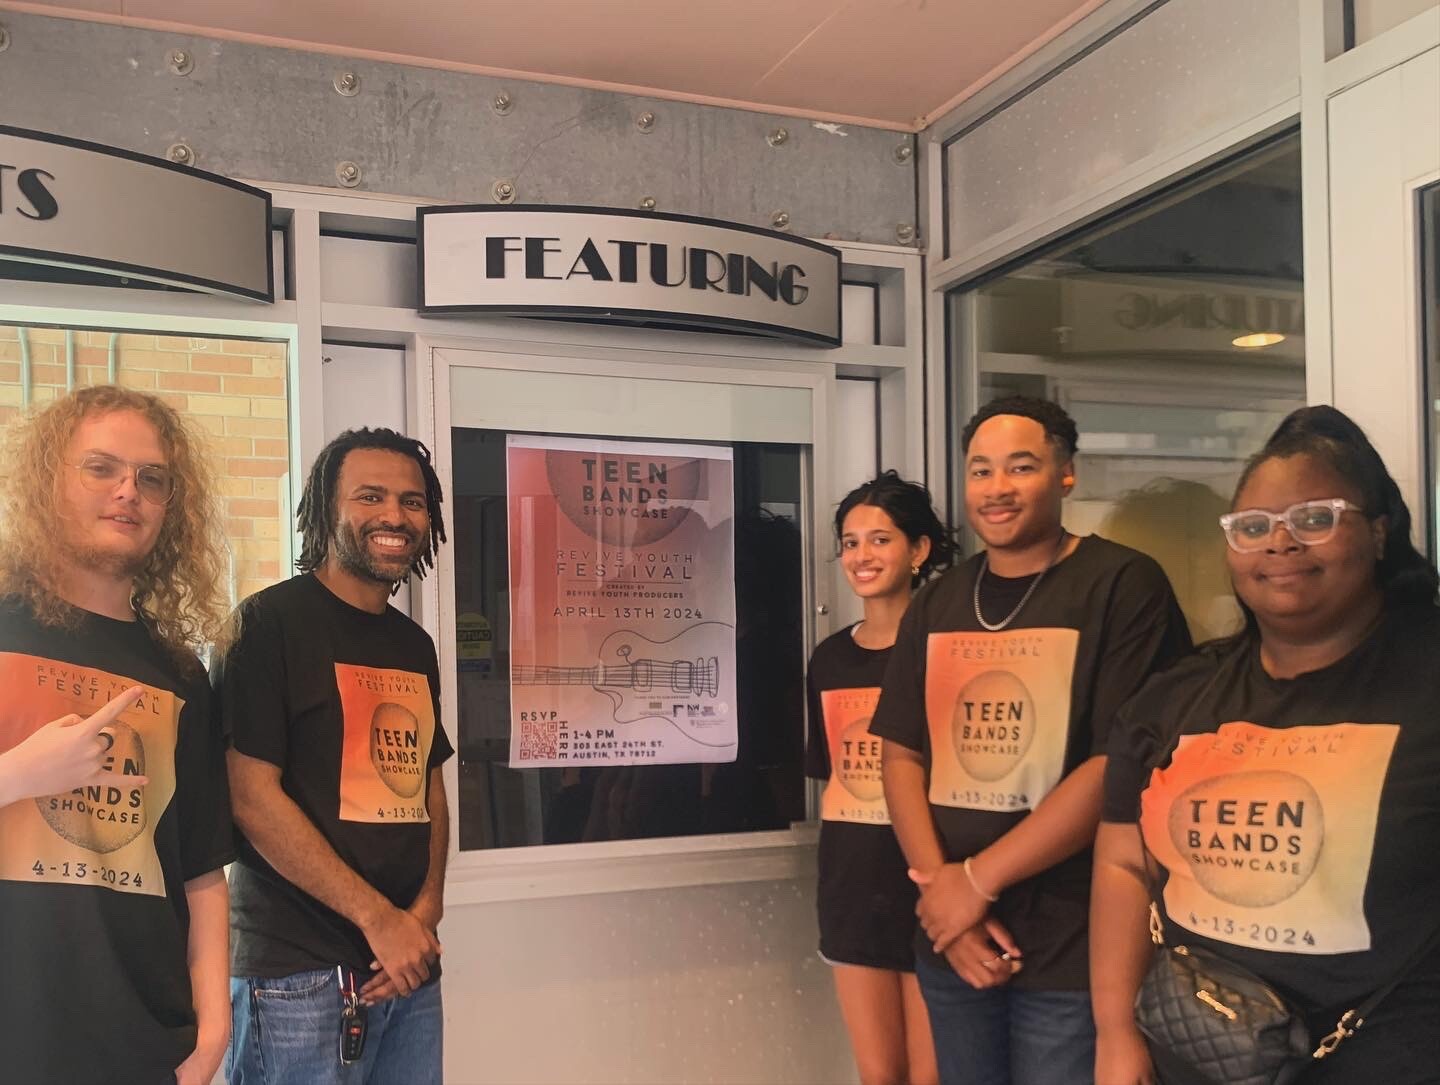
column 352, row 1033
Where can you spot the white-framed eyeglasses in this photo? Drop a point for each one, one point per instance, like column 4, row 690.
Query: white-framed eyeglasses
column 1309, row 523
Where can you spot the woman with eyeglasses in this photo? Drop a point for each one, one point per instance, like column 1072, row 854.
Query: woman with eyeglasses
column 1287, row 779
column 890, row 540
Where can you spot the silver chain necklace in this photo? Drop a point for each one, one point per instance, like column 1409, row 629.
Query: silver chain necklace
column 995, row 627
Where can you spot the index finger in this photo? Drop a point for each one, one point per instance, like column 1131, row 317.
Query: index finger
column 107, row 714
column 996, row 930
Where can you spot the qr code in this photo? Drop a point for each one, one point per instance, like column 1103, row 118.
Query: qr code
column 539, row 741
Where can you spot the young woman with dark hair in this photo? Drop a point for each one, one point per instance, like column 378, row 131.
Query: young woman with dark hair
column 890, row 540
column 1284, row 778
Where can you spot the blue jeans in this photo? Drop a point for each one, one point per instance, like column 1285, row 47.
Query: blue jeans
column 286, row 1031
column 1004, row 1036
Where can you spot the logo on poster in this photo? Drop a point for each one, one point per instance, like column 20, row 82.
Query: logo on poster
column 109, row 816
column 857, row 761
column 993, row 724
column 1251, row 838
column 395, row 748
column 631, row 501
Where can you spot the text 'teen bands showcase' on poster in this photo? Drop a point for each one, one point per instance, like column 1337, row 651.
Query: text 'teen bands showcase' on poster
column 622, row 602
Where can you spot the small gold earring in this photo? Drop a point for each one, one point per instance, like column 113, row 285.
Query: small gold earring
column 914, row 570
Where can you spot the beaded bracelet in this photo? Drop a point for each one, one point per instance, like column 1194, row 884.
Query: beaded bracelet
column 970, row 874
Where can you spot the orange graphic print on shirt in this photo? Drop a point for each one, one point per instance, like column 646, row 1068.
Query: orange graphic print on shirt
column 389, row 726
column 1268, row 832
column 97, row 836
column 998, row 710
column 855, row 791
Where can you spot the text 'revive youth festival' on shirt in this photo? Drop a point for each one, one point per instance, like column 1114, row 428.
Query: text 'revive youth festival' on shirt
column 865, row 900
column 1296, row 821
column 94, row 921
column 1002, row 717
column 346, row 703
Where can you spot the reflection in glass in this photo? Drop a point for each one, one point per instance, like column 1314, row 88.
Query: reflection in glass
column 763, row 788
column 1175, row 336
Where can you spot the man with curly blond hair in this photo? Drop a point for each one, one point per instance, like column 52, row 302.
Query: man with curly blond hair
column 114, row 812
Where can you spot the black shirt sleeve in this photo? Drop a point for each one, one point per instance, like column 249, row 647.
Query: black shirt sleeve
column 1144, row 729
column 202, row 791
column 817, row 751
column 1145, row 632
column 440, row 748
column 900, row 715
column 249, row 684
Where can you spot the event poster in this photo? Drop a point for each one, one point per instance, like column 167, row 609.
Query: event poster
column 622, row 602
column 101, row 836
column 389, row 728
column 855, row 791
column 1268, row 833
column 998, row 708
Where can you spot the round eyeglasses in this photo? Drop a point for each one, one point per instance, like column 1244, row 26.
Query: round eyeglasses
column 100, row 472
column 1309, row 523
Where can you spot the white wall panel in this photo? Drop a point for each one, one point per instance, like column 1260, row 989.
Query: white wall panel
column 527, row 399
column 717, row 984
column 1374, row 17
column 365, row 386
column 1188, row 67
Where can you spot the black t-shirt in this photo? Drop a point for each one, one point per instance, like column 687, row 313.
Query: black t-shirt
column 1297, row 821
column 347, row 704
column 865, row 899
column 94, row 922
column 1002, row 717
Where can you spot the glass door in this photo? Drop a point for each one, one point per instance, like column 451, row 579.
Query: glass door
column 1384, row 137
column 626, row 601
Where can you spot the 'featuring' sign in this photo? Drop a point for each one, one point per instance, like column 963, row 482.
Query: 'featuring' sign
column 72, row 204
column 604, row 264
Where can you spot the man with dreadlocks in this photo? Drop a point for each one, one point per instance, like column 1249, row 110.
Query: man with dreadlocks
column 114, row 824
column 330, row 698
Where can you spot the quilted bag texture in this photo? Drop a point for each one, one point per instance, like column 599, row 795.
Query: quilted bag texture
column 1209, row 1022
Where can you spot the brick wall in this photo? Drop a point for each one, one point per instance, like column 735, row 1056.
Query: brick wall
column 232, row 389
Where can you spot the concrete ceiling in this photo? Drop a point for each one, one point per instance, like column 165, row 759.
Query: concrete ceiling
column 892, row 63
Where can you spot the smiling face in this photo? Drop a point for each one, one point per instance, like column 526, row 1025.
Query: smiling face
column 382, row 520
column 876, row 555
column 1014, row 482
column 111, row 529
column 1306, row 589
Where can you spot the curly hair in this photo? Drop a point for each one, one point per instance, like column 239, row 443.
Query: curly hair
column 910, row 506
column 180, row 591
column 316, row 514
column 1059, row 426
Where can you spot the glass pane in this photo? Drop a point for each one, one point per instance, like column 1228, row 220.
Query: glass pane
column 1175, row 336
column 762, row 789
column 232, row 389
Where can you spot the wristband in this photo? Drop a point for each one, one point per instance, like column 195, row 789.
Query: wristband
column 970, row 876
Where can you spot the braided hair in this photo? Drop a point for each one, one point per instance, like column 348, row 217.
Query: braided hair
column 316, row 514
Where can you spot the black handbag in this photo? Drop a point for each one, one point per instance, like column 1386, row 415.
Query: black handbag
column 1208, row 1021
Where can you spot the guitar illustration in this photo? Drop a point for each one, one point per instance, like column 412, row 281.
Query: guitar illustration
column 644, row 678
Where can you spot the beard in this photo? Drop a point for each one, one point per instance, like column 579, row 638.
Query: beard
column 357, row 560
column 118, row 565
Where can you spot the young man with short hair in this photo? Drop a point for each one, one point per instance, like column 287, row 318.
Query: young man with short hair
column 331, row 701
column 994, row 711
column 114, row 821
